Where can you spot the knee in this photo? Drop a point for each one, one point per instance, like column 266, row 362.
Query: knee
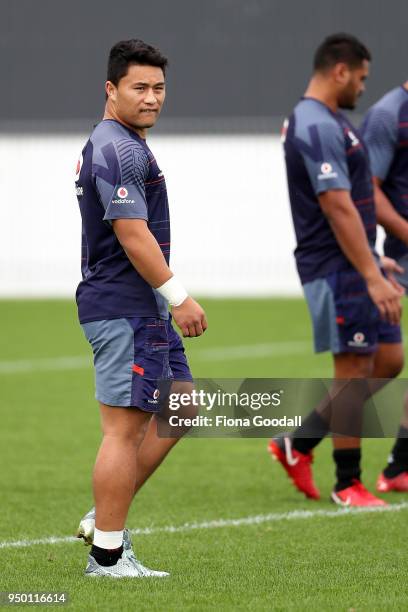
column 394, row 368
column 124, row 434
column 122, row 438
column 391, row 363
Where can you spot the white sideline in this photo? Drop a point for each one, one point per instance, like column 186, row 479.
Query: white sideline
column 212, row 354
column 220, row 523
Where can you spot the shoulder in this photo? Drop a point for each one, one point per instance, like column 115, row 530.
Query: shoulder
column 387, row 108
column 392, row 100
column 111, row 132
column 312, row 114
column 312, row 111
column 110, row 139
column 316, row 132
column 106, row 132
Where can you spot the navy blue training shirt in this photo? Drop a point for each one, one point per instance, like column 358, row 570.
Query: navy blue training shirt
column 385, row 131
column 118, row 178
column 323, row 151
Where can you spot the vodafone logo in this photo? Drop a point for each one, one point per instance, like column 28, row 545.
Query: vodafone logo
column 122, row 196
column 122, row 192
column 155, row 396
column 326, row 168
column 359, row 340
column 326, row 172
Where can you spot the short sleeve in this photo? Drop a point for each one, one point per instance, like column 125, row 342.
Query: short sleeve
column 123, row 194
column 325, row 159
column 380, row 137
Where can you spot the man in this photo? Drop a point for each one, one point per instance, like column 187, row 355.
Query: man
column 123, row 299
column 355, row 310
column 385, row 132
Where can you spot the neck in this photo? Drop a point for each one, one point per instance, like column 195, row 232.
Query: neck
column 320, row 89
column 111, row 114
column 405, row 85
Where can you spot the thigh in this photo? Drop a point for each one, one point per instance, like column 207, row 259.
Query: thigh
column 151, row 364
column 320, row 300
column 112, row 343
column 353, row 365
column 131, row 356
column 345, row 319
column 358, row 319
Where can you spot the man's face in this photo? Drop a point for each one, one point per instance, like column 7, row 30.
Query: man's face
column 352, row 85
column 139, row 96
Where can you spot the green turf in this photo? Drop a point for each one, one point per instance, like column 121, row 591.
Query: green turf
column 48, row 438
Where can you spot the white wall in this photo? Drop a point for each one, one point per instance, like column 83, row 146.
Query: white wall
column 231, row 226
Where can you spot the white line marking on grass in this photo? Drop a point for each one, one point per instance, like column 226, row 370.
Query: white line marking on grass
column 47, row 365
column 221, row 353
column 270, row 349
column 27, row 543
column 259, row 519
column 78, row 362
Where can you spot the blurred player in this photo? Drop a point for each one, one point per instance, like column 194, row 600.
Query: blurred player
column 123, row 299
column 385, row 132
column 355, row 310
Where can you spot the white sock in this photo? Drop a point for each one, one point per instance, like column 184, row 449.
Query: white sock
column 108, row 539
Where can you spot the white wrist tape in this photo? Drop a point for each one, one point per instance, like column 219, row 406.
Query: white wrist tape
column 173, row 291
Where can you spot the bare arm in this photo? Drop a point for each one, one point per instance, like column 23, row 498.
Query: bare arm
column 143, row 250
column 387, row 216
column 146, row 256
column 348, row 228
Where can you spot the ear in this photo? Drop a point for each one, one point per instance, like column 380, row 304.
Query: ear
column 341, row 72
column 110, row 90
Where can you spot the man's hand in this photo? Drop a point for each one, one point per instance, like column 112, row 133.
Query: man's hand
column 190, row 318
column 391, row 267
column 386, row 297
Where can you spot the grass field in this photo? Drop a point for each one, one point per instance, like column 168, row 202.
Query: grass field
column 287, row 559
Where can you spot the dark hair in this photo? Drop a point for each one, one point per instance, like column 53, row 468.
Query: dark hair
column 340, row 48
column 134, row 51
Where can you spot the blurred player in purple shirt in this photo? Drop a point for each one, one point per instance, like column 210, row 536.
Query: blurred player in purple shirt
column 385, row 132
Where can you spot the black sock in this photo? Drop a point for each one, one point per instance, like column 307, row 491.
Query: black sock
column 399, row 455
column 106, row 557
column 310, row 433
column 347, row 462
